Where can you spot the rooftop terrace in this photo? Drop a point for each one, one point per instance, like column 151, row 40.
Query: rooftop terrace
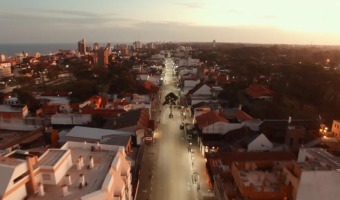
column 94, row 177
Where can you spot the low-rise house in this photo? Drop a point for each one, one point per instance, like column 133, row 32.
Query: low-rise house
column 259, row 143
column 134, row 121
column 258, row 91
column 14, row 117
column 70, row 119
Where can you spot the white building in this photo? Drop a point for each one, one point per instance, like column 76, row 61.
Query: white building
column 75, row 171
column 317, row 175
column 5, row 69
column 70, row 119
column 260, row 143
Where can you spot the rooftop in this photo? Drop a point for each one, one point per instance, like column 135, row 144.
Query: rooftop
column 321, row 156
column 94, row 177
column 51, row 157
column 54, row 99
column 11, row 108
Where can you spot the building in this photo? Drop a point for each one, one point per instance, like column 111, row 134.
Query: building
column 75, row 171
column 2, row 58
column 258, row 91
column 294, row 138
column 96, row 46
column 5, row 69
column 227, row 166
column 134, row 121
column 259, row 143
column 315, row 175
column 12, row 117
column 82, row 47
column 336, row 129
column 92, row 135
column 260, row 180
column 103, row 57
column 137, row 45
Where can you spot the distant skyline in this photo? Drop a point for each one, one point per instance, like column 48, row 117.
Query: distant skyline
column 244, row 21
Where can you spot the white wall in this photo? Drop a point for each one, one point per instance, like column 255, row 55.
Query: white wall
column 19, row 194
column 261, row 143
column 70, row 119
column 204, row 90
column 316, row 185
column 221, row 127
column 191, row 83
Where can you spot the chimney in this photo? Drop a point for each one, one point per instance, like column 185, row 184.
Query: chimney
column 98, row 146
column 80, row 163
column 289, row 119
column 240, row 107
column 91, row 162
column 81, row 180
column 41, row 191
column 65, row 190
column 68, row 179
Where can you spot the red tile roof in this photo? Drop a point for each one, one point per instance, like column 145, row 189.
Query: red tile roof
column 222, row 78
column 257, row 90
column 242, row 116
column 150, row 86
column 209, row 118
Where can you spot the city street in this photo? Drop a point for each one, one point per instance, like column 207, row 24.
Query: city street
column 168, row 166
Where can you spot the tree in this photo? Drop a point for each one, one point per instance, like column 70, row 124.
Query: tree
column 82, row 90
column 170, row 99
column 27, row 98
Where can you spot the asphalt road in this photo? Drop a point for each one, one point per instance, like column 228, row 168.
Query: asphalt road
column 168, row 167
column 167, row 162
column 172, row 177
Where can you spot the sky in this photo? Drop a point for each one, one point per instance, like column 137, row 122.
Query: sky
column 241, row 21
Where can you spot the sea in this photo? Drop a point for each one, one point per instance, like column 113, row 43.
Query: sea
column 31, row 49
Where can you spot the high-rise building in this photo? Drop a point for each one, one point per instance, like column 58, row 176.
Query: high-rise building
column 137, row 45
column 2, row 58
column 96, row 46
column 214, row 43
column 82, row 46
column 103, row 57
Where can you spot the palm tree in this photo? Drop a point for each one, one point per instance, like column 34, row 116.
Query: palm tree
column 170, row 99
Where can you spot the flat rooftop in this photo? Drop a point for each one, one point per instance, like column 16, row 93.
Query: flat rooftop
column 9, row 108
column 54, row 99
column 324, row 157
column 260, row 178
column 94, row 177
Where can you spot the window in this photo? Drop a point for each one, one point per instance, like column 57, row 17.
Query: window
column 20, row 177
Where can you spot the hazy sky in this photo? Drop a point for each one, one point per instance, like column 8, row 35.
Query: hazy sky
column 255, row 21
